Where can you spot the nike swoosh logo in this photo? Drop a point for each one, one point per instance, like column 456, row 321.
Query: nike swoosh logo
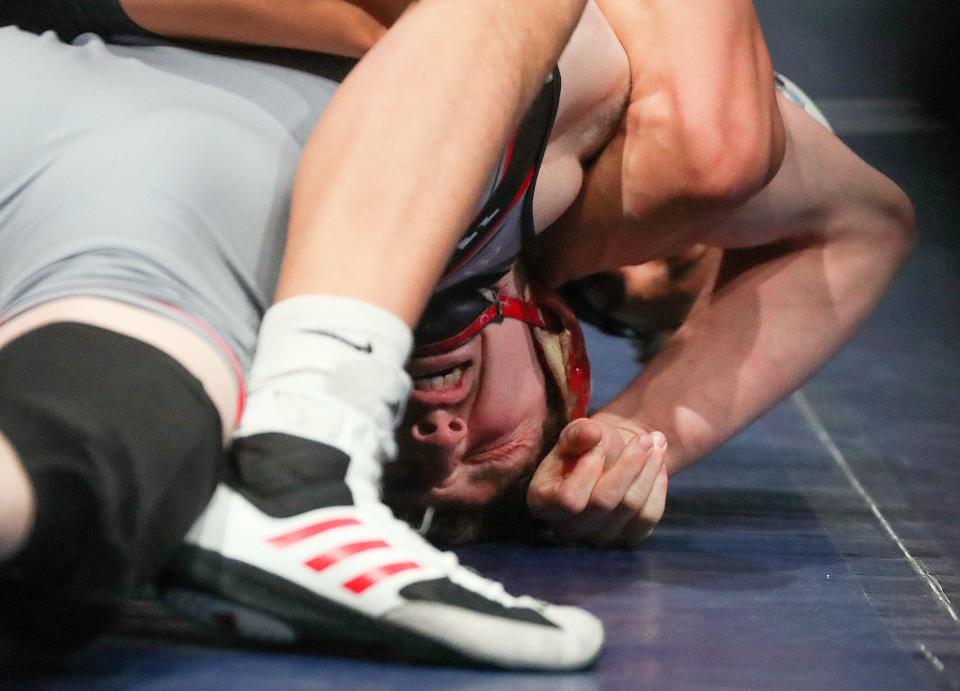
column 365, row 348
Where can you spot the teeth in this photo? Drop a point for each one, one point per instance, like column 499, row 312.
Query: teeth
column 434, row 383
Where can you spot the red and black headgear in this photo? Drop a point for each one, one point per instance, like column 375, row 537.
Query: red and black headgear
column 457, row 314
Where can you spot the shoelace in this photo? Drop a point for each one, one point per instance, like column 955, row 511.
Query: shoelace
column 445, row 561
column 370, row 449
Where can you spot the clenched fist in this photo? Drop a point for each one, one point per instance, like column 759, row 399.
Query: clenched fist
column 601, row 485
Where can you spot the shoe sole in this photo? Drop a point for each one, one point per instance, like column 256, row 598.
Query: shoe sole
column 258, row 605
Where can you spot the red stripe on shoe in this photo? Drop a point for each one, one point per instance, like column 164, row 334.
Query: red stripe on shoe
column 333, row 556
column 371, row 578
column 288, row 539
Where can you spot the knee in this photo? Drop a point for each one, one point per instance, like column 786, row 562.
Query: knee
column 16, row 501
column 122, row 450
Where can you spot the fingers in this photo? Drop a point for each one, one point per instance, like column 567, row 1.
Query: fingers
column 598, row 490
column 573, row 493
column 605, row 503
column 563, row 483
column 575, row 441
column 580, row 436
column 620, row 483
column 620, row 497
column 607, row 517
column 637, row 511
column 641, row 525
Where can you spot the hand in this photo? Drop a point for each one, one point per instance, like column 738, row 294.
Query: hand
column 601, row 485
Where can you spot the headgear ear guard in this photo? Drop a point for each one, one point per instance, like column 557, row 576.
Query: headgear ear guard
column 456, row 315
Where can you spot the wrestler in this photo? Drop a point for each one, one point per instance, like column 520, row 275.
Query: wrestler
column 570, row 148
column 204, row 565
column 119, row 362
column 805, row 260
column 677, row 166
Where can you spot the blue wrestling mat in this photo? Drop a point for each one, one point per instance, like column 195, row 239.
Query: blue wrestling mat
column 820, row 549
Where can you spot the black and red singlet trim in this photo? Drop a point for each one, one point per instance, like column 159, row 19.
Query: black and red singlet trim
column 517, row 178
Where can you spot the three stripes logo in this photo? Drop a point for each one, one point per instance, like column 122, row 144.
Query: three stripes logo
column 319, row 563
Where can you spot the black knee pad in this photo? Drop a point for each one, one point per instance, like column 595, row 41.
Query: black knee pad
column 123, row 449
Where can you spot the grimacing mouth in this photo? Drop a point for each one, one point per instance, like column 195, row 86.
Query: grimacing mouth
column 442, row 380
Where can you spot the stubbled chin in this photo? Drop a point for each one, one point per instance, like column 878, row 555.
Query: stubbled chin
column 401, row 484
column 463, row 494
column 414, row 492
column 412, row 485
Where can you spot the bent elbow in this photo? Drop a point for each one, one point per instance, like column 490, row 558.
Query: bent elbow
column 883, row 228
column 902, row 230
column 703, row 153
column 733, row 143
column 731, row 162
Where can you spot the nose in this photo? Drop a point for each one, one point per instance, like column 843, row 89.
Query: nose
column 439, row 428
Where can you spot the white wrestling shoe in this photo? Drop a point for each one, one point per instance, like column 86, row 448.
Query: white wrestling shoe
column 296, row 548
column 342, row 573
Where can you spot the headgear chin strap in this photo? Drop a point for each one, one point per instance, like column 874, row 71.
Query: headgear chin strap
column 556, row 333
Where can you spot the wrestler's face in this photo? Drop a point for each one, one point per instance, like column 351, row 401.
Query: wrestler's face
column 474, row 423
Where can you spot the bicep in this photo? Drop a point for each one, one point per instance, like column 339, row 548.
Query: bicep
column 338, row 27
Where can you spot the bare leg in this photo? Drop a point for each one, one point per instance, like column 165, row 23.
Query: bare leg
column 16, row 509
column 369, row 146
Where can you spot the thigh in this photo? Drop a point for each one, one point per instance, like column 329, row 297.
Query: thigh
column 152, row 175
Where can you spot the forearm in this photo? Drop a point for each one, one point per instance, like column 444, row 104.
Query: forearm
column 834, row 231
column 328, row 26
column 343, row 27
column 762, row 335
column 396, row 164
column 702, row 122
column 702, row 132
